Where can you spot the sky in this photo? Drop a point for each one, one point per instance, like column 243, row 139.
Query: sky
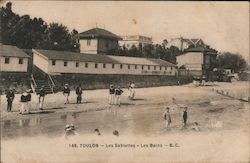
column 222, row 25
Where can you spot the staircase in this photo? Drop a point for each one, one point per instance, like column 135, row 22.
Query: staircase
column 45, row 84
column 40, row 79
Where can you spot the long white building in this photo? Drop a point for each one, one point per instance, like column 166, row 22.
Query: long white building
column 63, row 62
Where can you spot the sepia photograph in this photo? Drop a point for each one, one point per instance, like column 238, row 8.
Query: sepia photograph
column 124, row 81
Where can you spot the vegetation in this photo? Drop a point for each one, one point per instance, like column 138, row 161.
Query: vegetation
column 149, row 51
column 231, row 61
column 27, row 33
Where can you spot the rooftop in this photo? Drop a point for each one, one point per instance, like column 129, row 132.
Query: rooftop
column 98, row 58
column 12, row 51
column 98, row 33
column 200, row 49
column 72, row 56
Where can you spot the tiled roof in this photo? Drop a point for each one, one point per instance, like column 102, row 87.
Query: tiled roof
column 98, row 33
column 71, row 56
column 98, row 58
column 12, row 51
column 133, row 60
column 199, row 49
column 162, row 62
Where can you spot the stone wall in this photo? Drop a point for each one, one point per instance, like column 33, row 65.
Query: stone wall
column 17, row 81
column 103, row 81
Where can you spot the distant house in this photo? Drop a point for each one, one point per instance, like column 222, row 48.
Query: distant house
column 184, row 43
column 62, row 62
column 97, row 41
column 136, row 40
column 13, row 59
column 199, row 60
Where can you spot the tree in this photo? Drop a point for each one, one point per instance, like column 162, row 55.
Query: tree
column 57, row 37
column 134, row 52
column 231, row 61
column 74, row 44
column 147, row 51
column 27, row 33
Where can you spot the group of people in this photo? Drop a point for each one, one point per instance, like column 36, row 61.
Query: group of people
column 115, row 95
column 199, row 80
column 70, row 130
column 25, row 100
column 168, row 119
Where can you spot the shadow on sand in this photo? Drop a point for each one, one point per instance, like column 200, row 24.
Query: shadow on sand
column 54, row 108
column 126, row 103
column 85, row 102
column 138, row 99
column 41, row 112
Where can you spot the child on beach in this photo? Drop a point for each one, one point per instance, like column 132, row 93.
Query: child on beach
column 167, row 117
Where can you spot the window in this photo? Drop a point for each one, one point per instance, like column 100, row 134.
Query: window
column 65, row 64
column 77, row 64
column 171, row 68
column 135, row 66
column 154, row 67
column 20, row 61
column 86, row 65
column 104, row 65
column 148, row 67
column 142, row 67
column 165, row 67
column 160, row 67
column 6, row 60
column 53, row 62
column 113, row 65
column 88, row 42
column 96, row 65
column 128, row 66
column 120, row 66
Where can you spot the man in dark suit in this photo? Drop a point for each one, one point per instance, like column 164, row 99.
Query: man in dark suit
column 10, row 97
column 79, row 94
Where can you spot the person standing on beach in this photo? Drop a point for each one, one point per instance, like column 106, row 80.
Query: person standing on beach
column 118, row 93
column 79, row 94
column 28, row 100
column 66, row 93
column 131, row 91
column 23, row 101
column 10, row 97
column 185, row 117
column 167, row 117
column 111, row 94
column 41, row 97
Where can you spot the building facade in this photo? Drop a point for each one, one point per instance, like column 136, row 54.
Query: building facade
column 13, row 59
column 199, row 60
column 57, row 62
column 97, row 41
column 136, row 40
